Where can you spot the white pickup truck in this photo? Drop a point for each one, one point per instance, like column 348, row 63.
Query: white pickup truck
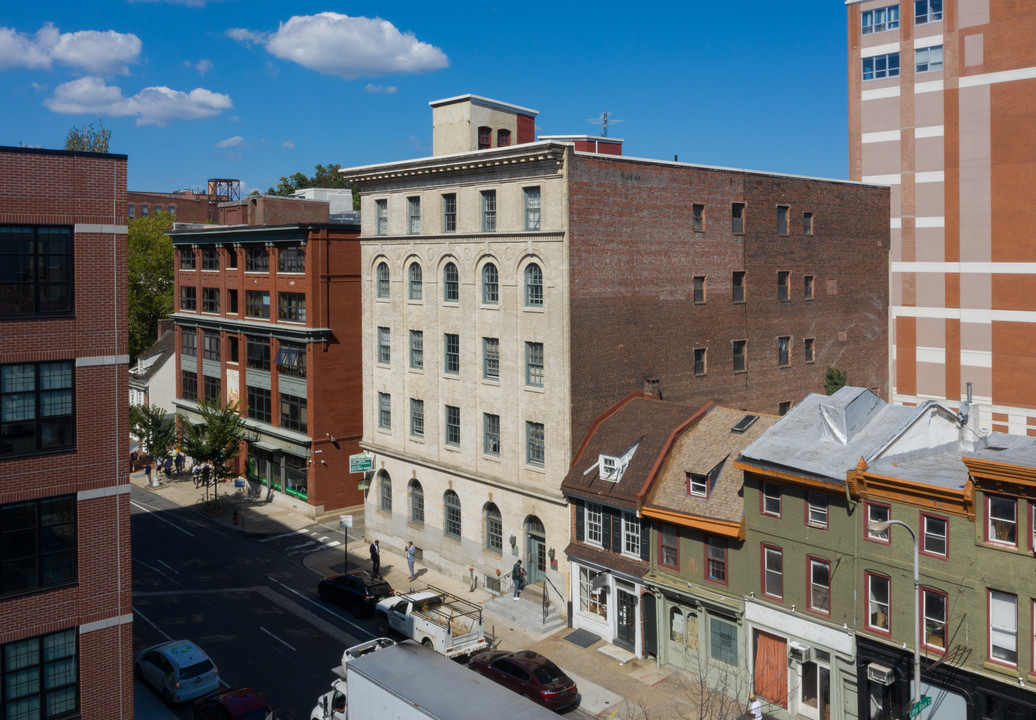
column 447, row 623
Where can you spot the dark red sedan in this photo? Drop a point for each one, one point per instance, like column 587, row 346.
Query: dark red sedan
column 233, row 704
column 528, row 673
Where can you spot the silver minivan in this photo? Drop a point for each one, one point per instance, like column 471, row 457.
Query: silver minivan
column 178, row 670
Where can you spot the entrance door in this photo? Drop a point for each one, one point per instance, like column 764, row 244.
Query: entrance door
column 647, row 607
column 815, row 691
column 625, row 619
column 536, row 549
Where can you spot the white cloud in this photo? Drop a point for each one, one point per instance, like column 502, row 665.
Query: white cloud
column 151, row 106
column 202, row 66
column 246, row 36
column 288, row 145
column 349, row 47
column 390, row 90
column 231, row 142
column 90, row 51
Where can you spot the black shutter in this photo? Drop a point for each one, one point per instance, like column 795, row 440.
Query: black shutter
column 580, row 520
column 645, row 539
column 617, row 531
column 606, row 528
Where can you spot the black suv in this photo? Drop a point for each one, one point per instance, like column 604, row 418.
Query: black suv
column 359, row 591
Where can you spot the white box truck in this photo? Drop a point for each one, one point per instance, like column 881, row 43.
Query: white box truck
column 405, row 681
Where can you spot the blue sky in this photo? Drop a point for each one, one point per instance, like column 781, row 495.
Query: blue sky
column 255, row 89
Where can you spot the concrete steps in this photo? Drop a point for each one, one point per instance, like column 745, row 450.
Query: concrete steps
column 527, row 611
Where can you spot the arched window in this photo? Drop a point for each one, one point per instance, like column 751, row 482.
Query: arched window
column 533, row 286
column 383, row 280
column 386, row 492
column 416, row 503
column 416, row 288
column 485, row 137
column 490, row 284
column 450, row 283
column 451, row 507
column 494, row 529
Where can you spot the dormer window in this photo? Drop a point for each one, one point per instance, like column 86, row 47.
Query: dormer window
column 610, row 468
column 698, row 485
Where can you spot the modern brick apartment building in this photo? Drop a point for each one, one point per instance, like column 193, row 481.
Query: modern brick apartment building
column 66, row 634
column 268, row 314
column 942, row 103
column 516, row 292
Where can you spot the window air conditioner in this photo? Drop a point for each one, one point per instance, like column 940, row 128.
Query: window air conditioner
column 880, row 674
column 799, row 652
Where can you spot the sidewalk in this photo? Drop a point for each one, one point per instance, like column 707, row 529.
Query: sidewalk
column 612, row 683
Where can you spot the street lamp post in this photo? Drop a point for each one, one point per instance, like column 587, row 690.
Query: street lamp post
column 882, row 526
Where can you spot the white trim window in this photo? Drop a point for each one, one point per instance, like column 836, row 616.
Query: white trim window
column 592, row 600
column 934, row 530
column 928, row 59
column 879, row 20
column 1002, row 520
column 594, row 524
column 817, row 503
column 1003, row 628
column 878, row 602
column 926, row 11
column 631, row 535
column 879, row 67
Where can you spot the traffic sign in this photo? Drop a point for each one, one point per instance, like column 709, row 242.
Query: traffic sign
column 920, row 705
column 345, row 521
column 361, row 463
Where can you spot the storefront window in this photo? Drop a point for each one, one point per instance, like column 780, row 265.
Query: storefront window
column 591, row 600
column 295, row 476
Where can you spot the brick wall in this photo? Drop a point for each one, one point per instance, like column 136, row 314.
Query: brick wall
column 74, row 188
column 634, row 255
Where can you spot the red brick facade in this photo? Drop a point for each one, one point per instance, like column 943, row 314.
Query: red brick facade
column 330, row 333
column 186, row 205
column 634, row 255
column 86, row 191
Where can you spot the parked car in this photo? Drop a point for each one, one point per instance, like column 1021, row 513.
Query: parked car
column 358, row 591
column 233, row 704
column 178, row 670
column 528, row 673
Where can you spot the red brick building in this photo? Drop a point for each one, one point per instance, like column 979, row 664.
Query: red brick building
column 269, row 315
column 187, row 205
column 66, row 636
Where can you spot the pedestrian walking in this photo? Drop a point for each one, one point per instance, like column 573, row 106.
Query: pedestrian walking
column 411, row 553
column 147, row 473
column 518, row 576
column 375, row 559
column 179, row 463
column 168, row 468
column 196, row 473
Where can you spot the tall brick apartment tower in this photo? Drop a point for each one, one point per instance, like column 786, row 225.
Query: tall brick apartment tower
column 66, row 633
column 516, row 289
column 942, row 105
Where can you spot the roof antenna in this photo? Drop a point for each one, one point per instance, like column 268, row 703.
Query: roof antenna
column 604, row 123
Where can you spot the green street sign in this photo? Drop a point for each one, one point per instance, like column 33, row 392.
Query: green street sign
column 920, row 705
column 361, row 463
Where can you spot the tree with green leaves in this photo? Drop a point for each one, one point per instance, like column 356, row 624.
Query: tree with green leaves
column 157, row 432
column 328, row 176
column 150, row 263
column 217, row 438
column 834, row 380
column 88, row 138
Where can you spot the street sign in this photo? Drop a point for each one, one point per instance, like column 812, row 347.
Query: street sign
column 361, row 463
column 920, row 705
column 345, row 521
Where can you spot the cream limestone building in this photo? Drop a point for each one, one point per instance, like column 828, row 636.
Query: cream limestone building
column 465, row 382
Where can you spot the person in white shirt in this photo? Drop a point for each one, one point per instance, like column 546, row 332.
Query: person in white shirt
column 755, row 708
